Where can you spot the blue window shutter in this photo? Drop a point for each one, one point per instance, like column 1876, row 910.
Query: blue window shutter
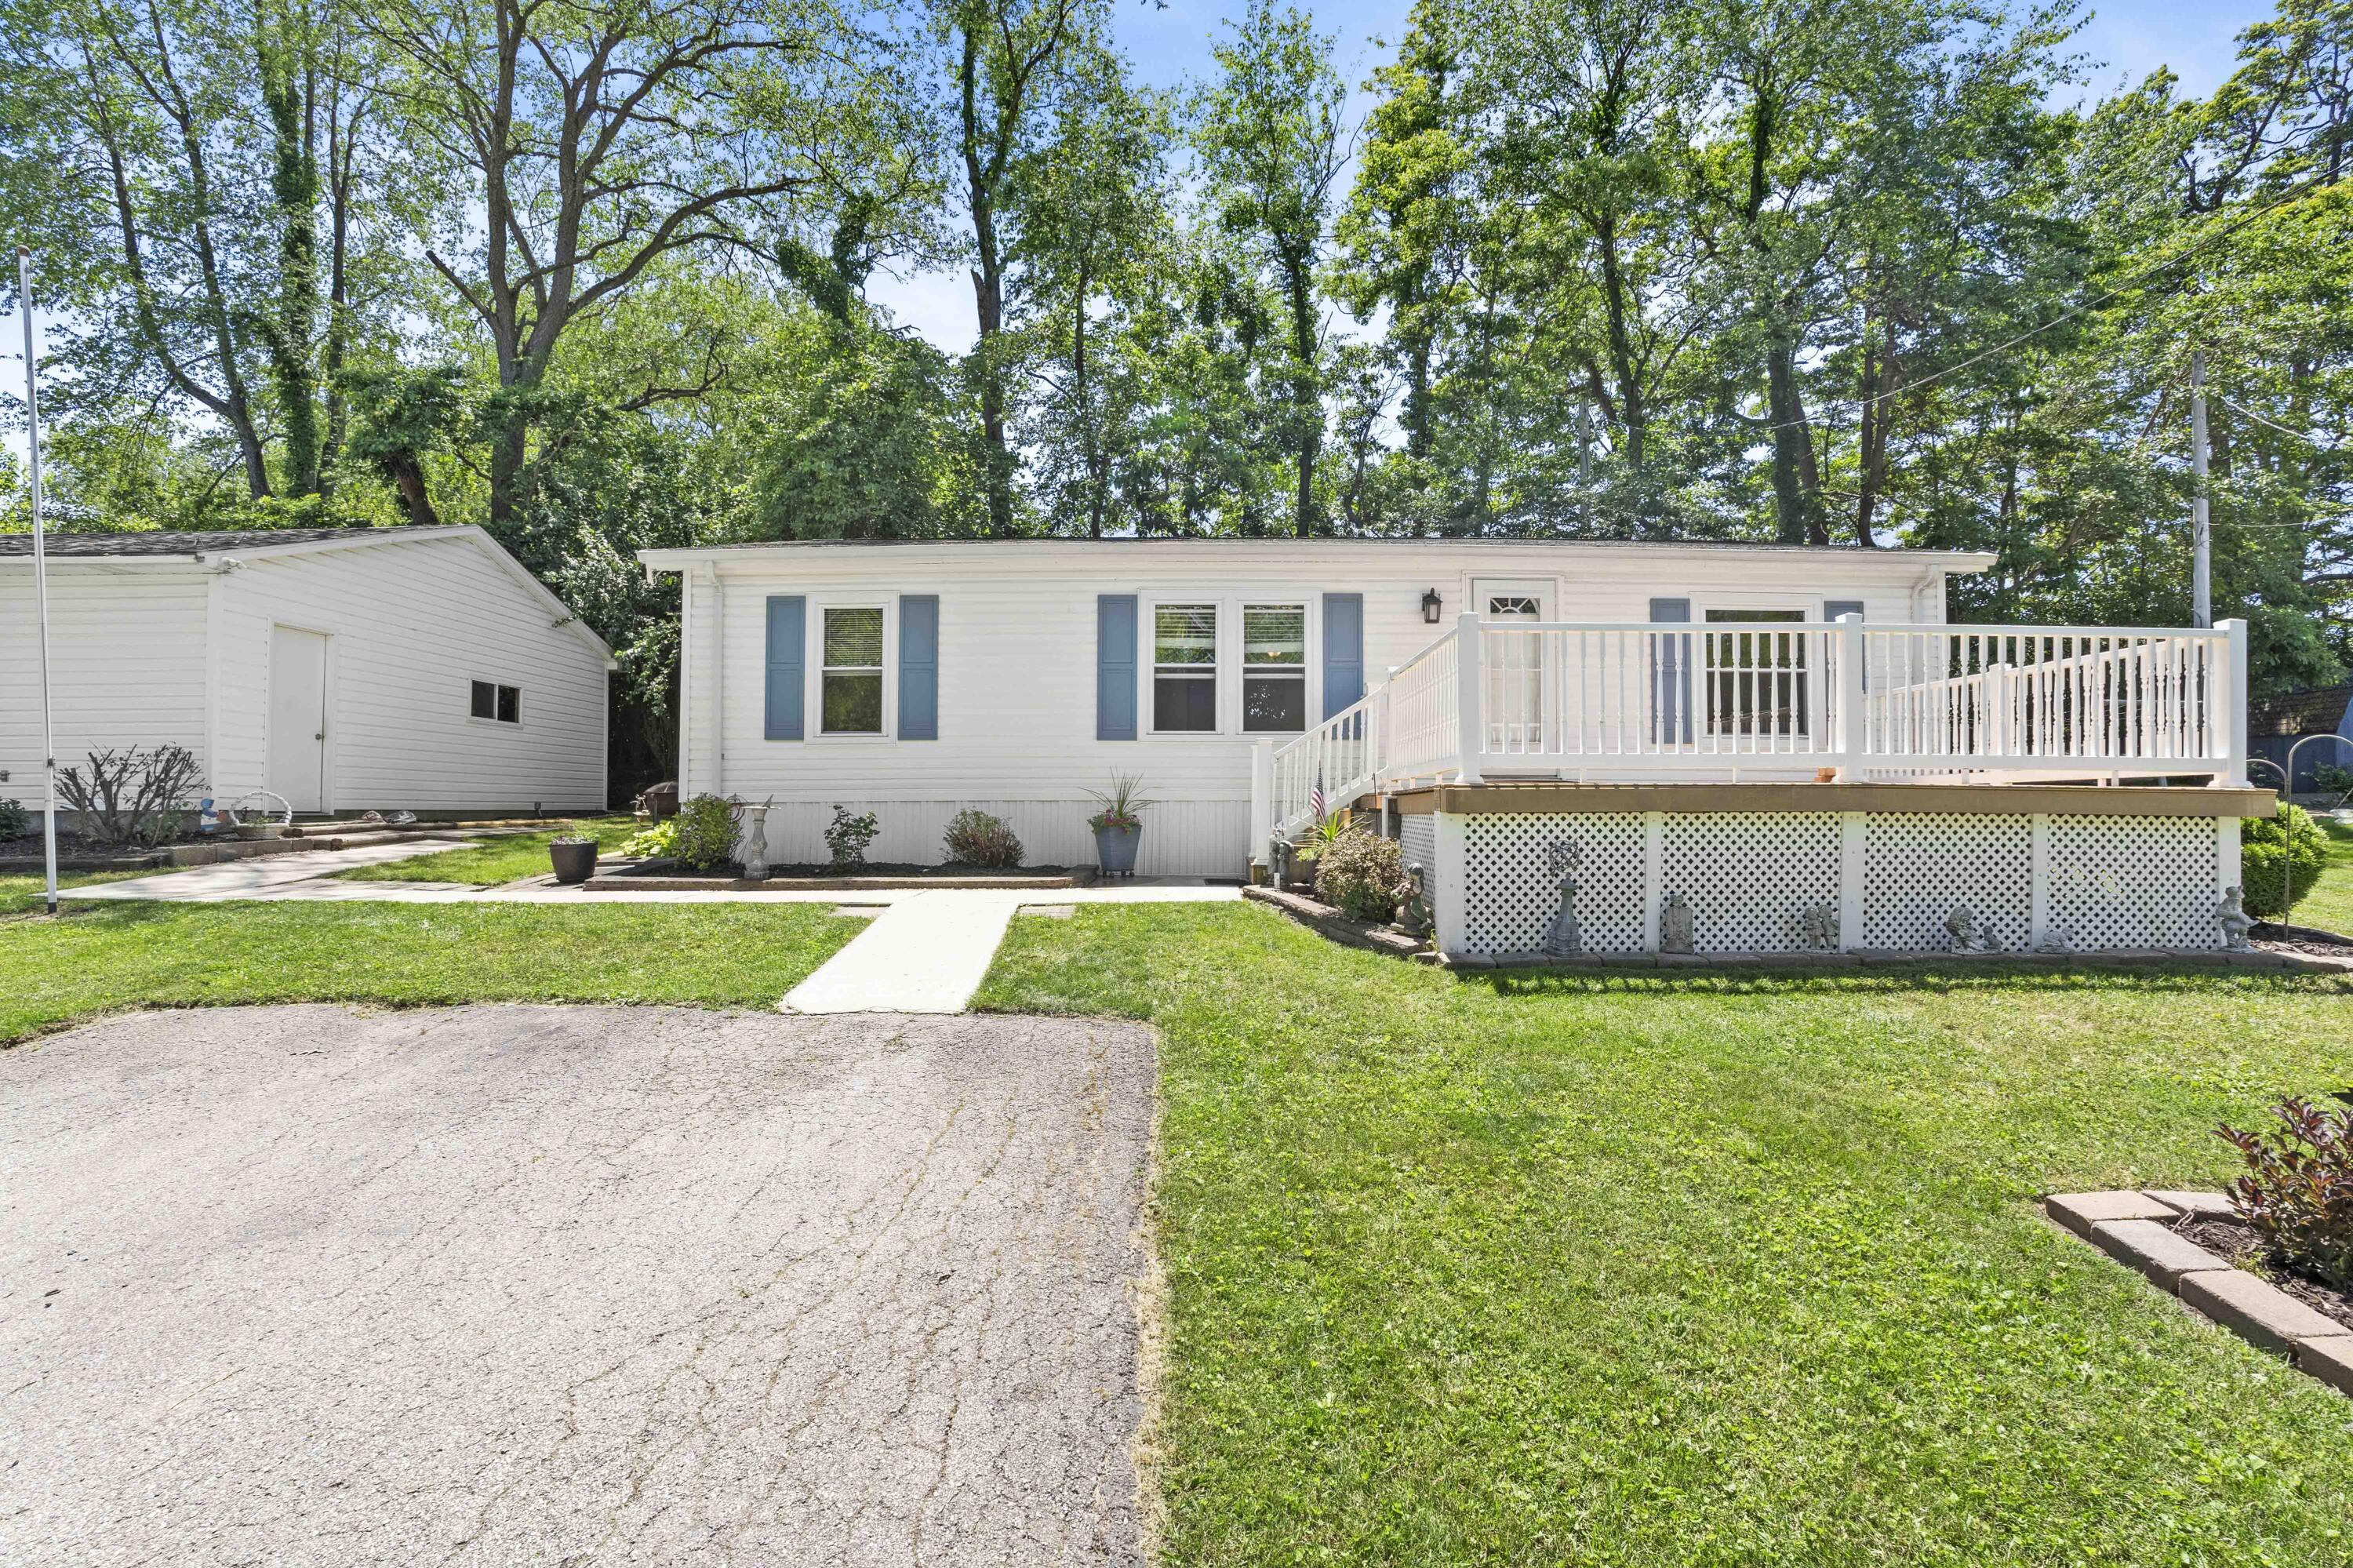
column 1115, row 666
column 1671, row 663
column 919, row 666
column 787, row 644
column 1344, row 650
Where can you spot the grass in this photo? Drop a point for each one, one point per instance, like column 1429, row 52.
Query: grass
column 21, row 894
column 2329, row 906
column 494, row 861
column 1528, row 1268
column 101, row 958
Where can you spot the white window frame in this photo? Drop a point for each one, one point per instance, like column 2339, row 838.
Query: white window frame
column 1244, row 670
column 813, row 664
column 494, row 722
column 1223, row 650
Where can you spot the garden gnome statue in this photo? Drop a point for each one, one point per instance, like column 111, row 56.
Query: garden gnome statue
column 1413, row 910
column 1675, row 925
column 1818, row 928
column 2236, row 922
column 1967, row 935
column 1564, row 940
column 756, row 842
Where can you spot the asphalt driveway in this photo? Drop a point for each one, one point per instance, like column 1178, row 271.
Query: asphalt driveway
column 570, row 1285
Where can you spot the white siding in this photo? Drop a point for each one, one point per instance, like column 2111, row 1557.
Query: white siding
column 411, row 625
column 128, row 651
column 1016, row 671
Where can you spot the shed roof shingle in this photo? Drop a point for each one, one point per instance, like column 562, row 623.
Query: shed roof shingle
column 160, row 542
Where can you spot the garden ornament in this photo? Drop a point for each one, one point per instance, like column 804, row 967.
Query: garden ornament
column 2236, row 922
column 755, row 841
column 1675, row 925
column 1564, row 940
column 1818, row 928
column 1968, row 935
column 1279, row 862
column 2056, row 939
column 1413, row 910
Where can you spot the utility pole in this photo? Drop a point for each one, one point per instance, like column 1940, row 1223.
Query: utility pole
column 2202, row 520
column 40, row 580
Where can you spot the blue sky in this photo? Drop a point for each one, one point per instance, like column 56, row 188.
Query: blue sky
column 2127, row 39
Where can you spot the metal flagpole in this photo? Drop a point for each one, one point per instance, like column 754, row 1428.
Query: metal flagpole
column 40, row 577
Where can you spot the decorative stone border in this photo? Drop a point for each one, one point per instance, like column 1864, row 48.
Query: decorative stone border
column 1328, row 921
column 2137, row 1229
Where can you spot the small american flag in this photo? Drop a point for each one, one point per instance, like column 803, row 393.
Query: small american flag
column 1315, row 797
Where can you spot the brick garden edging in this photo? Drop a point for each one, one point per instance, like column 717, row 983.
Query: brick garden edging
column 2137, row 1229
column 1324, row 920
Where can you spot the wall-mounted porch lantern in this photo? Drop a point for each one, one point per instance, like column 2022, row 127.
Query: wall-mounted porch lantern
column 1430, row 604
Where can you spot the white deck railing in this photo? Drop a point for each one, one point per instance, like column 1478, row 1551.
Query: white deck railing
column 1651, row 702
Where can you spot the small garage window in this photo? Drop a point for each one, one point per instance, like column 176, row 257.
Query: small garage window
column 501, row 703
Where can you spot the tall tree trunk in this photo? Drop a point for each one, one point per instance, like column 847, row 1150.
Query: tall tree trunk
column 988, row 293
column 1631, row 404
column 1878, row 381
column 340, row 185
column 1306, row 398
column 281, row 56
column 1797, row 482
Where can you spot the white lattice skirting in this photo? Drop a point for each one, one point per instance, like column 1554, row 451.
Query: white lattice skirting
column 1765, row 882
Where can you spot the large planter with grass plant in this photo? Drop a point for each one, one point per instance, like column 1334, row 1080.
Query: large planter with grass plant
column 575, row 859
column 1118, row 825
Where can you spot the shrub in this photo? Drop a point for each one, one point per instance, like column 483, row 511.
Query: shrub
column 975, row 838
column 2298, row 1190
column 2280, row 858
column 703, row 834
column 846, row 837
column 651, row 843
column 15, row 821
column 1362, row 876
column 132, row 797
column 2332, row 778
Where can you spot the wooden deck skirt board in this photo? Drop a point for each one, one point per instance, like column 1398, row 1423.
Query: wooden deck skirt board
column 1986, row 800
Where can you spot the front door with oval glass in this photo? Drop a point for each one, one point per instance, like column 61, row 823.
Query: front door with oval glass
column 1514, row 661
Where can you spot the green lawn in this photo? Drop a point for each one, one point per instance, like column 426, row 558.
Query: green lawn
column 2329, row 906
column 1518, row 1268
column 494, row 861
column 97, row 957
column 19, row 893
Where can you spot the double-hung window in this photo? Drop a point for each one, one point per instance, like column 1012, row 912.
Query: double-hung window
column 1274, row 668
column 1185, row 668
column 849, row 683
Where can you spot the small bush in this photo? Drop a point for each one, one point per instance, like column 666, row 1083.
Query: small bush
column 703, row 834
column 2332, row 778
column 847, row 837
column 2280, row 858
column 975, row 838
column 1362, row 876
column 132, row 797
column 651, row 843
column 2298, row 1190
column 15, row 821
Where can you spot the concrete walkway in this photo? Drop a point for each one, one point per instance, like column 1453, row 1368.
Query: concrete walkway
column 268, row 877
column 924, row 954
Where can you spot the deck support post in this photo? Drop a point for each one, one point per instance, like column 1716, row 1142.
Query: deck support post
column 2231, row 745
column 1853, row 845
column 1853, row 726
column 1468, row 684
column 1262, row 802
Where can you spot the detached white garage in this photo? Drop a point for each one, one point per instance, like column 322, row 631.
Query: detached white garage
column 345, row 669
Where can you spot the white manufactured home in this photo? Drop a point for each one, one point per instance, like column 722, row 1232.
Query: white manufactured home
column 341, row 669
column 1791, row 743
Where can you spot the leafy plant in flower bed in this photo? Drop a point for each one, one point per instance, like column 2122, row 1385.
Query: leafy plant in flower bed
column 2280, row 859
column 2298, row 1193
column 847, row 836
column 658, row 842
column 703, row 834
column 975, row 838
column 1362, row 876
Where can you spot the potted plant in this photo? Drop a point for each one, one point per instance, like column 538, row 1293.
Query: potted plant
column 574, row 855
column 1119, row 826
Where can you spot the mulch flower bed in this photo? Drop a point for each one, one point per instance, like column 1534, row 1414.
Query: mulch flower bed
column 2238, row 1242
column 668, row 876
